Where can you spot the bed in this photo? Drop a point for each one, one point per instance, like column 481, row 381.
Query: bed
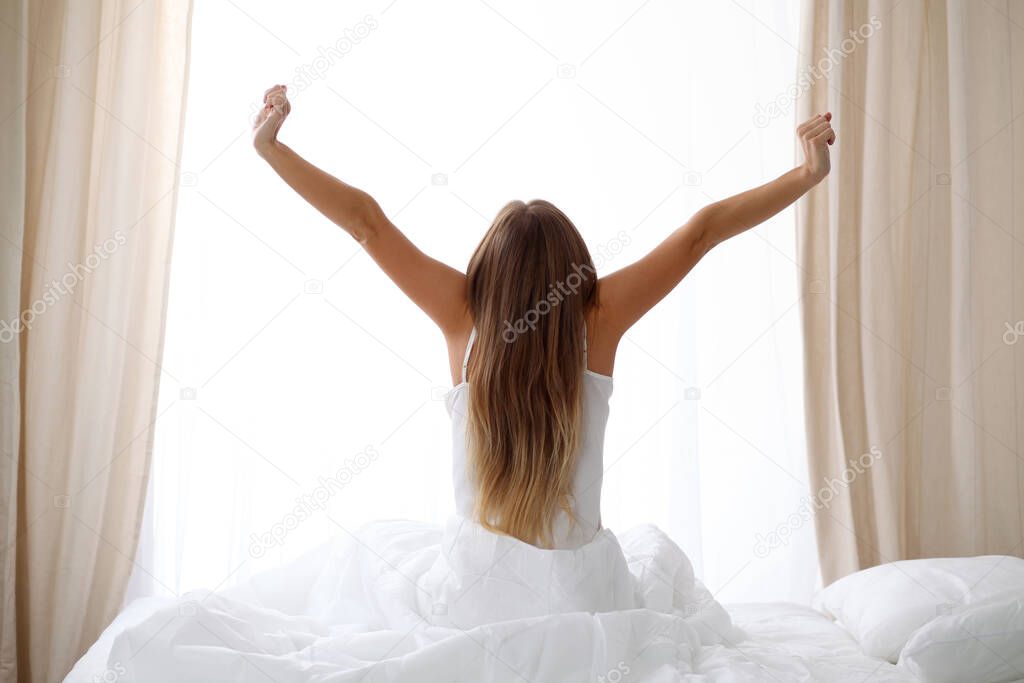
column 786, row 642
column 955, row 619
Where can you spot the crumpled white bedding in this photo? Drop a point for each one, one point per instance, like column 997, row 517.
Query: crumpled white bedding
column 407, row 601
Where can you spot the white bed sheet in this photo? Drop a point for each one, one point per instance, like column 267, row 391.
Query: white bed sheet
column 795, row 643
column 786, row 642
column 348, row 613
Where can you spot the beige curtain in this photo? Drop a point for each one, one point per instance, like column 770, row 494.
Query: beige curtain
column 913, row 263
column 93, row 106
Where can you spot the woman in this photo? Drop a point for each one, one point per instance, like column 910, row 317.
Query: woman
column 523, row 583
column 534, row 329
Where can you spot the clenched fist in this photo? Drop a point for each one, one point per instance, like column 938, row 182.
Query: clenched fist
column 275, row 109
column 816, row 135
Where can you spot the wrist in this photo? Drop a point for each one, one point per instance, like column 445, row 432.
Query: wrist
column 808, row 177
column 268, row 150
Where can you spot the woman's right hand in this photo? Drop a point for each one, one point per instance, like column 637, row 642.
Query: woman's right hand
column 268, row 122
column 816, row 135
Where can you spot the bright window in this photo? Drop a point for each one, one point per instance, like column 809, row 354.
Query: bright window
column 288, row 354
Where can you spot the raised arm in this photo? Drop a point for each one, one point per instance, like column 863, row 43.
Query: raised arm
column 439, row 290
column 627, row 294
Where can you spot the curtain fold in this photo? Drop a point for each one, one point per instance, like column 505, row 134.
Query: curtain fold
column 14, row 82
column 90, row 146
column 914, row 299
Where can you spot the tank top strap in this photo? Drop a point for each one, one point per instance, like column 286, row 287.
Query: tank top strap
column 586, row 364
column 469, row 347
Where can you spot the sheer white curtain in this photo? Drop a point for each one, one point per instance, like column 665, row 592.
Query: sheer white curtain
column 308, row 400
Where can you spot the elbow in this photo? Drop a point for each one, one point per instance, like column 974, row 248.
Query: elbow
column 705, row 236
column 366, row 220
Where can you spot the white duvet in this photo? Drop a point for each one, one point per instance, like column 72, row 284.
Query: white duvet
column 406, row 601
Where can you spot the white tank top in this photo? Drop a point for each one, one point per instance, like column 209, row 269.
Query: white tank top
column 589, row 465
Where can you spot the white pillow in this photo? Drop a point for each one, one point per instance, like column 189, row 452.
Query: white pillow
column 983, row 643
column 882, row 606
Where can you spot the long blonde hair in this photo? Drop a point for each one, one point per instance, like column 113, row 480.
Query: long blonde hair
column 531, row 282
